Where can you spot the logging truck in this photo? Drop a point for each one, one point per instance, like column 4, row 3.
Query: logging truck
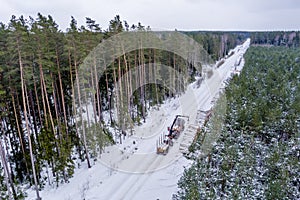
column 166, row 140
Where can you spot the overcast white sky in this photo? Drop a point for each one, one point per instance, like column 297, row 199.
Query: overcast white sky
column 166, row 14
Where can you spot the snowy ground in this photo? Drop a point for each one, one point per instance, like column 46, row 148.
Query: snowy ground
column 133, row 170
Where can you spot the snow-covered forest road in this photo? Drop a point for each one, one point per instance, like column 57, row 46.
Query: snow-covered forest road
column 132, row 170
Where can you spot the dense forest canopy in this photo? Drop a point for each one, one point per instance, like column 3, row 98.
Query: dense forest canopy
column 258, row 153
column 40, row 142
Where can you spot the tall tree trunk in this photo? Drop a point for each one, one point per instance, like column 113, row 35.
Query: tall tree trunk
column 56, row 108
column 127, row 86
column 37, row 101
column 137, row 77
column 81, row 114
column 19, row 131
column 44, row 90
column 130, row 106
column 33, row 112
column 43, row 96
column 154, row 73
column 29, row 111
column 141, row 78
column 121, row 106
column 8, row 179
column 150, row 87
column 74, row 112
column 108, row 99
column 27, row 126
column 117, row 98
column 98, row 103
column 62, row 93
column 94, row 103
column 98, row 93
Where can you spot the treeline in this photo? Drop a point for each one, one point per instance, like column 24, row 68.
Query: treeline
column 276, row 38
column 40, row 143
column 257, row 155
column 218, row 43
column 211, row 40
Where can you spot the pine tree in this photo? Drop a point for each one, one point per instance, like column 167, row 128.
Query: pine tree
column 18, row 41
column 75, row 56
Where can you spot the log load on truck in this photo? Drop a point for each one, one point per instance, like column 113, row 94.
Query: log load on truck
column 165, row 141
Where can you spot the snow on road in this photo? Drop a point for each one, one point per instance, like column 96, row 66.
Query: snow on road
column 132, row 170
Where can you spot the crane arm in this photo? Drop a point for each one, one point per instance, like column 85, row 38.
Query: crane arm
column 171, row 128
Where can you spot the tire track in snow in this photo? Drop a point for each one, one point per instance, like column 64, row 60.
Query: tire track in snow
column 132, row 191
column 126, row 186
